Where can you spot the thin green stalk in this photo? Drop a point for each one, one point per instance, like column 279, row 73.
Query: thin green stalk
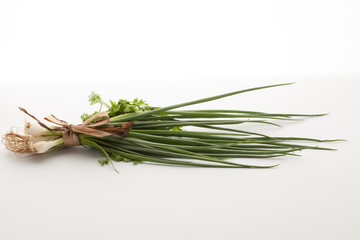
column 93, row 144
column 251, row 112
column 139, row 157
column 159, row 124
column 208, row 99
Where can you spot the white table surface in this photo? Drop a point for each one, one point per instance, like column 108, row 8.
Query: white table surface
column 52, row 55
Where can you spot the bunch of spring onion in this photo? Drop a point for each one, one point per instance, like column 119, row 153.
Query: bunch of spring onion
column 158, row 135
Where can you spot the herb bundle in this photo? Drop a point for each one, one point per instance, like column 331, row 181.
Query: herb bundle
column 133, row 131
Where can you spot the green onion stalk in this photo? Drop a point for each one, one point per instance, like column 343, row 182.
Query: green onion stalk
column 159, row 136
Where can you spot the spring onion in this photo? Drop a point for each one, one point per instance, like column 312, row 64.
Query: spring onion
column 133, row 131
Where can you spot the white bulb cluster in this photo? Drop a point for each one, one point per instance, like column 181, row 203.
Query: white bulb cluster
column 41, row 139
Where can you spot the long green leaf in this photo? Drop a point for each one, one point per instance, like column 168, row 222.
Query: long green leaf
column 208, row 99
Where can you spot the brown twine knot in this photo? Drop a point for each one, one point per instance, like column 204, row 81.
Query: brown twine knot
column 71, row 132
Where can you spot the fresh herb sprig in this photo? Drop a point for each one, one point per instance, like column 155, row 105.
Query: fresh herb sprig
column 120, row 107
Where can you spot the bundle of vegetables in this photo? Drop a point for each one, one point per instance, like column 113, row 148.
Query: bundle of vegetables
column 134, row 131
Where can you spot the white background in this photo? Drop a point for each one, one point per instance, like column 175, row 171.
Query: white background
column 53, row 54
